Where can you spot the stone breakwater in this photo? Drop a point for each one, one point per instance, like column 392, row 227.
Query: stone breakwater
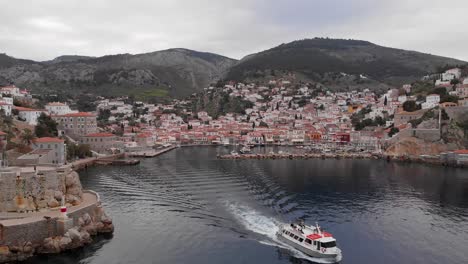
column 34, row 228
column 302, row 156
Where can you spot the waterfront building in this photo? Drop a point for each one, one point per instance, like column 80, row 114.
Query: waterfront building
column 46, row 151
column 102, row 142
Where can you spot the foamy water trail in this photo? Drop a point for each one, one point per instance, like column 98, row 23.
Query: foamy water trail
column 266, row 226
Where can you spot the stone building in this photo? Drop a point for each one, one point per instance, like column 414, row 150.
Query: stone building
column 76, row 125
column 101, row 142
column 57, row 108
column 404, row 117
column 46, row 151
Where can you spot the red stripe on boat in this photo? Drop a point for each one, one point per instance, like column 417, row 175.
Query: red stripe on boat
column 314, row 236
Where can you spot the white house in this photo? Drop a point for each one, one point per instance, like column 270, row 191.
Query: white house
column 6, row 107
column 29, row 115
column 442, row 83
column 57, row 108
column 432, row 101
column 454, row 73
column 11, row 90
column 402, row 98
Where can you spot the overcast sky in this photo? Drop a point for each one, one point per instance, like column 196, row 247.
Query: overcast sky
column 45, row 29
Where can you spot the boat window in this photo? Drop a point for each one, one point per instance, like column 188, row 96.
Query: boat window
column 291, row 234
column 315, row 242
column 301, row 240
column 329, row 244
column 296, row 237
column 308, row 241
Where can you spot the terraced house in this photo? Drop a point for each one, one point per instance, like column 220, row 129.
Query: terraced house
column 76, row 125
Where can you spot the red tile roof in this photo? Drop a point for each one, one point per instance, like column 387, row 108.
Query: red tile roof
column 2, row 133
column 100, row 135
column 24, row 109
column 48, row 140
column 461, row 151
column 56, row 104
column 79, row 114
column 144, row 135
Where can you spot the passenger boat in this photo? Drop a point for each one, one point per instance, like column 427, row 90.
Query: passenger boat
column 310, row 240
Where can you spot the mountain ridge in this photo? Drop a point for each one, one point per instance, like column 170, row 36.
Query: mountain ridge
column 179, row 72
column 175, row 72
column 316, row 57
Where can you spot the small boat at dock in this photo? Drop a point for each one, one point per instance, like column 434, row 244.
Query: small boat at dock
column 245, row 150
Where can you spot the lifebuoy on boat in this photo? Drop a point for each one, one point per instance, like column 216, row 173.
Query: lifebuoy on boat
column 323, row 250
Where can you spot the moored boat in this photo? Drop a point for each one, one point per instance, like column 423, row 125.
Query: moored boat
column 310, row 240
column 245, row 150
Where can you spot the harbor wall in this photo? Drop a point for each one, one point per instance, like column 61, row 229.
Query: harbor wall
column 36, row 229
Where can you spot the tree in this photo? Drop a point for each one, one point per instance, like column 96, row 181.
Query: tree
column 440, row 91
column 85, row 103
column 104, row 115
column 449, row 98
column 410, row 106
column 385, row 102
column 46, row 126
column 263, row 124
column 379, row 121
column 393, row 131
column 444, row 115
column 27, row 137
column 81, row 151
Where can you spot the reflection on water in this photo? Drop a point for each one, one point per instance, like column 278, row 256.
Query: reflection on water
column 188, row 207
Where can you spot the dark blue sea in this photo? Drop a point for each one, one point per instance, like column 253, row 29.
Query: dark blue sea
column 188, row 207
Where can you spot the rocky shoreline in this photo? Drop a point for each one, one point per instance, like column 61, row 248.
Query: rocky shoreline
column 76, row 237
column 36, row 225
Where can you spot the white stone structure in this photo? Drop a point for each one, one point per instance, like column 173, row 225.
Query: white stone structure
column 29, row 115
column 432, row 101
column 57, row 108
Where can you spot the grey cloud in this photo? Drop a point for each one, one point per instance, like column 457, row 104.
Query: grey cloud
column 45, row 29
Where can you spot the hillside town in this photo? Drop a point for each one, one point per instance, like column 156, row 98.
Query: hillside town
column 282, row 111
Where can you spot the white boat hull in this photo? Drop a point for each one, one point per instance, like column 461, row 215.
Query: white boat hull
column 333, row 258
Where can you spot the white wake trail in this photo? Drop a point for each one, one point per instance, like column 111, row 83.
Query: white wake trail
column 266, row 226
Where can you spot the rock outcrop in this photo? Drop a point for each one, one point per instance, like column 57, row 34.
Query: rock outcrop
column 75, row 237
column 78, row 236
